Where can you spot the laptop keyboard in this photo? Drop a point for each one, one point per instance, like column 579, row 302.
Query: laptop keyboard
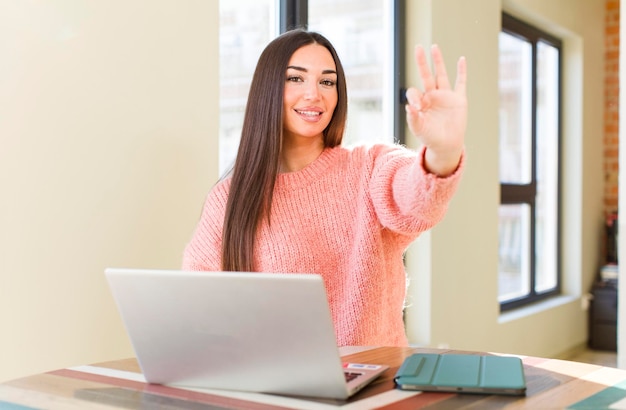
column 351, row 376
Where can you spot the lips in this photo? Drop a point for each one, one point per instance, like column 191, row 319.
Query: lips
column 309, row 114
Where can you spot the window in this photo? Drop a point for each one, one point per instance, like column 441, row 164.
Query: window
column 529, row 146
column 368, row 39
column 246, row 26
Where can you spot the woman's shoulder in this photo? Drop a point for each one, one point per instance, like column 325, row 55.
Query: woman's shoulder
column 219, row 192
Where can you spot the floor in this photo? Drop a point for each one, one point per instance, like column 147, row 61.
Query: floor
column 600, row 357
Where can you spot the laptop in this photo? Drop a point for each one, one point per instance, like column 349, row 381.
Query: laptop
column 255, row 332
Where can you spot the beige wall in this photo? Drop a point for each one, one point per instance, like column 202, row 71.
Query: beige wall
column 108, row 131
column 108, row 125
column 453, row 269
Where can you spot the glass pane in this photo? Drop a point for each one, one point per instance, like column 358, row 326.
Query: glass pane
column 361, row 32
column 515, row 85
column 246, row 26
column 514, row 252
column 547, row 167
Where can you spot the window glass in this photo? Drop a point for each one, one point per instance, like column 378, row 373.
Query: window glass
column 515, row 110
column 546, row 212
column 246, row 26
column 360, row 31
column 514, row 251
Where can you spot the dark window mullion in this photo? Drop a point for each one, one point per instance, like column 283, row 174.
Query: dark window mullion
column 399, row 77
column 533, row 219
column 518, row 193
column 293, row 14
column 533, row 98
column 533, row 251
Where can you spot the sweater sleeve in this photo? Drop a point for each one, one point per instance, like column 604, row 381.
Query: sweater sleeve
column 407, row 198
column 204, row 251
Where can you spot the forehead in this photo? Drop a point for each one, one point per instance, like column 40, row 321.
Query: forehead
column 313, row 56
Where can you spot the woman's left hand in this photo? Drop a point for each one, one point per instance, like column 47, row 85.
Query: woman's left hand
column 438, row 114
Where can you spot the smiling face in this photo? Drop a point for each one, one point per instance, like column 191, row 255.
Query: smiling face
column 310, row 94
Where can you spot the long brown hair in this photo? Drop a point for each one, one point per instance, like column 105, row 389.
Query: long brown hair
column 256, row 166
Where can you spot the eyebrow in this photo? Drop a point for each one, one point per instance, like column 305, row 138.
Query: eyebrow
column 306, row 71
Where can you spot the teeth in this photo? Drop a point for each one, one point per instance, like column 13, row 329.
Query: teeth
column 310, row 113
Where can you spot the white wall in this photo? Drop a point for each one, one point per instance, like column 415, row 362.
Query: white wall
column 453, row 293
column 108, row 125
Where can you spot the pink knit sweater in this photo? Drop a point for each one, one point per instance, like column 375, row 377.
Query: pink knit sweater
column 348, row 216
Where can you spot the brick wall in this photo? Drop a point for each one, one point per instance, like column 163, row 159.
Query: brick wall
column 611, row 104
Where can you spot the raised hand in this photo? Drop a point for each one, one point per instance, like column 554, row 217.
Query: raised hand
column 438, row 114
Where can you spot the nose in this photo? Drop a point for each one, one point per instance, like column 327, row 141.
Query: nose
column 312, row 91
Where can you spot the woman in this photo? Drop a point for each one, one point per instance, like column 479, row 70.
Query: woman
column 299, row 202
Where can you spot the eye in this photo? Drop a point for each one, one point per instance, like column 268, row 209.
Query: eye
column 294, row 79
column 328, row 83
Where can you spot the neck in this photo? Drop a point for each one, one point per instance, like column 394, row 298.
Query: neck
column 295, row 157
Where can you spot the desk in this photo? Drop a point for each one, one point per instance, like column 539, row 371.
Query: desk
column 551, row 384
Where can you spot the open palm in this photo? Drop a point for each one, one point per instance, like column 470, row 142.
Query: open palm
column 438, row 114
